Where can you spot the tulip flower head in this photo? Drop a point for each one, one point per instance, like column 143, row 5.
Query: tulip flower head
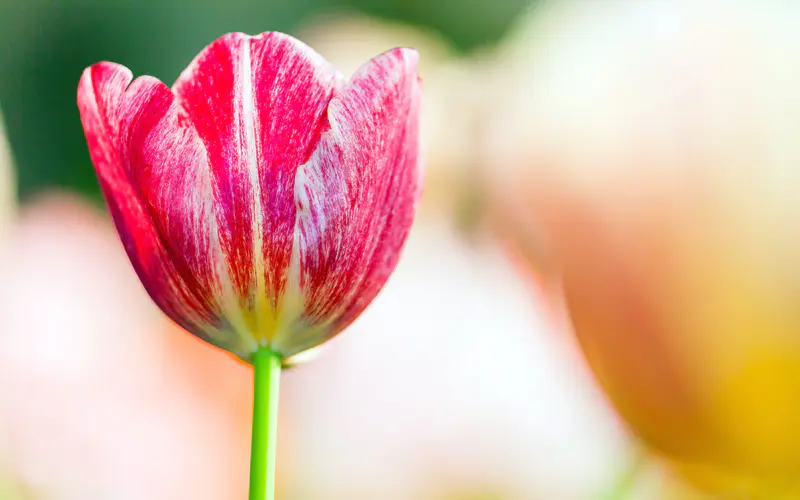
column 652, row 173
column 262, row 200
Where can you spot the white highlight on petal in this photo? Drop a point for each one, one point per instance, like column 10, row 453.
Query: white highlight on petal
column 260, row 302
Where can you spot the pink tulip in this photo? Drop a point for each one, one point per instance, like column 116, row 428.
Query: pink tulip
column 262, row 200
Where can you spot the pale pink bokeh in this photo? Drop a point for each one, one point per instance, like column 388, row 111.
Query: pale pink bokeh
column 452, row 382
column 103, row 398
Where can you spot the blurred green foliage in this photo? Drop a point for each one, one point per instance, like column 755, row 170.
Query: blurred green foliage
column 44, row 46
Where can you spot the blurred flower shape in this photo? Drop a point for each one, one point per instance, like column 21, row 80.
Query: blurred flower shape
column 262, row 200
column 653, row 182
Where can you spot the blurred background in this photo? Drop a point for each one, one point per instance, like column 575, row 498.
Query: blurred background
column 463, row 381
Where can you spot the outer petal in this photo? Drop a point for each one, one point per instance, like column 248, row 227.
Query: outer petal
column 119, row 124
column 356, row 197
column 258, row 104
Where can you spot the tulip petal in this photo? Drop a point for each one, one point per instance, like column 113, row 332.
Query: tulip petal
column 357, row 195
column 110, row 111
column 258, row 104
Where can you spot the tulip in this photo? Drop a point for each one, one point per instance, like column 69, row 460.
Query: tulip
column 647, row 167
column 262, row 201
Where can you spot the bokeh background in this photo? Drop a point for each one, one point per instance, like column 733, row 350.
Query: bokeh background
column 461, row 382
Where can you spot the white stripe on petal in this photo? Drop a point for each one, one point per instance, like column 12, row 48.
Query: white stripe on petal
column 260, row 302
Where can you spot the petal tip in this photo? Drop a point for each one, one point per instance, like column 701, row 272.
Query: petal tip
column 317, row 59
column 99, row 81
column 106, row 68
column 410, row 55
column 393, row 63
column 100, row 72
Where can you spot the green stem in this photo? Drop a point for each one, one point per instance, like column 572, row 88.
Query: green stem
column 267, row 367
